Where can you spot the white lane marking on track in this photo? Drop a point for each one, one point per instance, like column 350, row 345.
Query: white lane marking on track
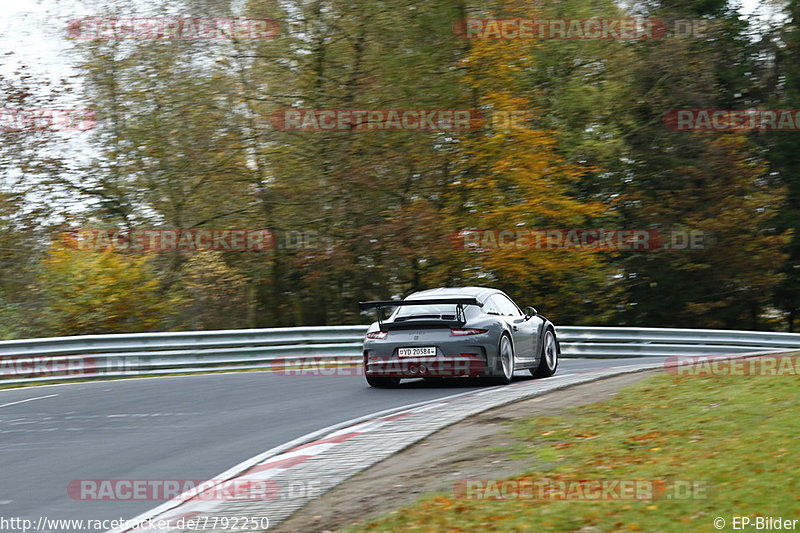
column 29, row 400
column 426, row 408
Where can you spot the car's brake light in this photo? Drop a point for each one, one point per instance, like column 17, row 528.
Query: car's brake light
column 377, row 334
column 467, row 331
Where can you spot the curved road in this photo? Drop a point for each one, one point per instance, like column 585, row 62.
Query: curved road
column 190, row 427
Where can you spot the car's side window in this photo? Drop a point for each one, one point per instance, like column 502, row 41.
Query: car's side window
column 506, row 306
column 490, row 307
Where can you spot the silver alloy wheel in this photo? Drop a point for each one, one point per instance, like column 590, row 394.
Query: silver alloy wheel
column 507, row 358
column 550, row 350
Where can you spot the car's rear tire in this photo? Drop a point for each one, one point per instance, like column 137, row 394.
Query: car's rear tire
column 505, row 356
column 548, row 360
column 383, row 382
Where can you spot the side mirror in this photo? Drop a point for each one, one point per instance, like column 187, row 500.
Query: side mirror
column 530, row 312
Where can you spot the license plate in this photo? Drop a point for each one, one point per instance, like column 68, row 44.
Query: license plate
column 416, row 352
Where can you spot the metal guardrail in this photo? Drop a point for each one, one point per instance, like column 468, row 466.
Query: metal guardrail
column 142, row 354
column 580, row 341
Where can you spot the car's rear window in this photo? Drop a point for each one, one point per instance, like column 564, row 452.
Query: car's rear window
column 434, row 310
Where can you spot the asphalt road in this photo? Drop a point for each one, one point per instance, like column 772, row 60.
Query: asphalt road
column 191, row 427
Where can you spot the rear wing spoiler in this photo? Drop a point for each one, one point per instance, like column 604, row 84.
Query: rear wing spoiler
column 459, row 303
column 397, row 303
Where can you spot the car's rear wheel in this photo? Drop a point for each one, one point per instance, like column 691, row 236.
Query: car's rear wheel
column 548, row 362
column 383, row 382
column 505, row 355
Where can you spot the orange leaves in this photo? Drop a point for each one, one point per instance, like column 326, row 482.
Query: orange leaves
column 646, row 437
column 514, row 178
column 515, row 174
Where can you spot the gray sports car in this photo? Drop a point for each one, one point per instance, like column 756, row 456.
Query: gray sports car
column 457, row 332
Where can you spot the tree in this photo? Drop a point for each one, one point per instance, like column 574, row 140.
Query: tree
column 87, row 292
column 780, row 89
column 514, row 177
column 713, row 182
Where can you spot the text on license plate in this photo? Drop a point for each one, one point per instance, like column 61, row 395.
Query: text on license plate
column 416, row 352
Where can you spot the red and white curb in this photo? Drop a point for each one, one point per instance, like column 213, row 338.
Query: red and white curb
column 330, row 456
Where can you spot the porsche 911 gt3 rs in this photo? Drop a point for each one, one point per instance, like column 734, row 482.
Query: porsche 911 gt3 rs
column 457, row 332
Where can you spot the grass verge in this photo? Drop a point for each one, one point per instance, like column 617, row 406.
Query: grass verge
column 735, row 439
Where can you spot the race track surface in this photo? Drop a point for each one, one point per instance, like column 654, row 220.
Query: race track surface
column 190, row 427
